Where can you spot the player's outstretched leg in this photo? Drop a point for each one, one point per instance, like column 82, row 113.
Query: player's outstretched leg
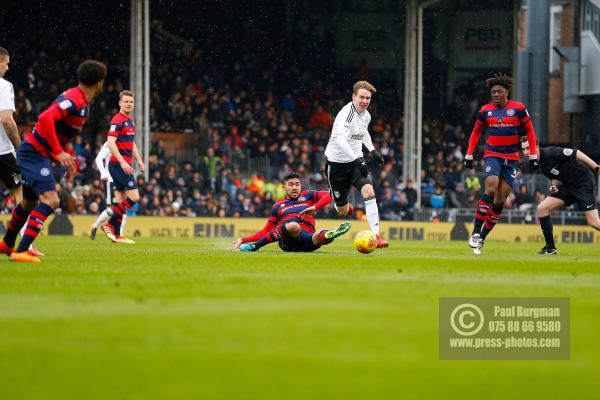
column 291, row 229
column 326, row 237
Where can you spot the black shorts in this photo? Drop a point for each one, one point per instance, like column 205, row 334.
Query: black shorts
column 584, row 195
column 10, row 173
column 342, row 176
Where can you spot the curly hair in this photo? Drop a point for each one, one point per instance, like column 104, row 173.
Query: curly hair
column 499, row 79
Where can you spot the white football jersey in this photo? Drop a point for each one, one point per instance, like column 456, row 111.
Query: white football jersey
column 7, row 102
column 350, row 131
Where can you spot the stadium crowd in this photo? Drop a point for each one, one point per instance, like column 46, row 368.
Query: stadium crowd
column 254, row 121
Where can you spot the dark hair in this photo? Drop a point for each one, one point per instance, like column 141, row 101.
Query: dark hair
column 291, row 175
column 499, row 79
column 91, row 72
column 524, row 139
column 3, row 52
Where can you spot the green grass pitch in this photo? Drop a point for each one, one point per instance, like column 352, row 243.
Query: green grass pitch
column 188, row 319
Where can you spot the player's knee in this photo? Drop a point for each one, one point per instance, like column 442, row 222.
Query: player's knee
column 542, row 210
column 134, row 196
column 343, row 210
column 592, row 219
column 28, row 205
column 292, row 227
column 367, row 192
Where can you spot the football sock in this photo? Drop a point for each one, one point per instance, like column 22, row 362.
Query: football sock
column 103, row 217
column 491, row 220
column 322, row 239
column 35, row 223
column 120, row 210
column 123, row 222
column 372, row 215
column 482, row 211
column 274, row 235
column 17, row 221
column 548, row 231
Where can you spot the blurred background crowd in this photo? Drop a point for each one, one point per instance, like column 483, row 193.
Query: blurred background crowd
column 254, row 117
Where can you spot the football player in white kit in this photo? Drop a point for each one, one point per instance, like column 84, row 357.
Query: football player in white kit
column 10, row 173
column 346, row 166
column 102, row 164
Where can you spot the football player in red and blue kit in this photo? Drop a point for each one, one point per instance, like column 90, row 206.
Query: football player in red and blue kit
column 121, row 142
column 56, row 126
column 291, row 222
column 505, row 121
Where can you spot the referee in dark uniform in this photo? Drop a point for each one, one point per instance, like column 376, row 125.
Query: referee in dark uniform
column 573, row 181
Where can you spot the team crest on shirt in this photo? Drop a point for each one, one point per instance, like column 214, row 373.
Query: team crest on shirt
column 336, row 194
column 65, row 104
column 510, row 112
column 301, row 199
column 44, row 172
column 554, row 171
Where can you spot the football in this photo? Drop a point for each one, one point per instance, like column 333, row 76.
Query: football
column 365, row 241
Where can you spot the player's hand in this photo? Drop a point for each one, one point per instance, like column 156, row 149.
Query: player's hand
column 534, row 164
column 67, row 161
column 553, row 188
column 379, row 160
column 362, row 167
column 128, row 169
column 468, row 161
column 141, row 165
column 236, row 244
column 307, row 211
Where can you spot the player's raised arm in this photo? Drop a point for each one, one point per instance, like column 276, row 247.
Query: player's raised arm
column 474, row 139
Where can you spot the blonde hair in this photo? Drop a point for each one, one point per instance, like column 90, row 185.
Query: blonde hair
column 363, row 85
column 126, row 93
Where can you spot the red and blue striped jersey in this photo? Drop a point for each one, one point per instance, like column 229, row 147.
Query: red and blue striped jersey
column 288, row 210
column 123, row 128
column 504, row 126
column 59, row 123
